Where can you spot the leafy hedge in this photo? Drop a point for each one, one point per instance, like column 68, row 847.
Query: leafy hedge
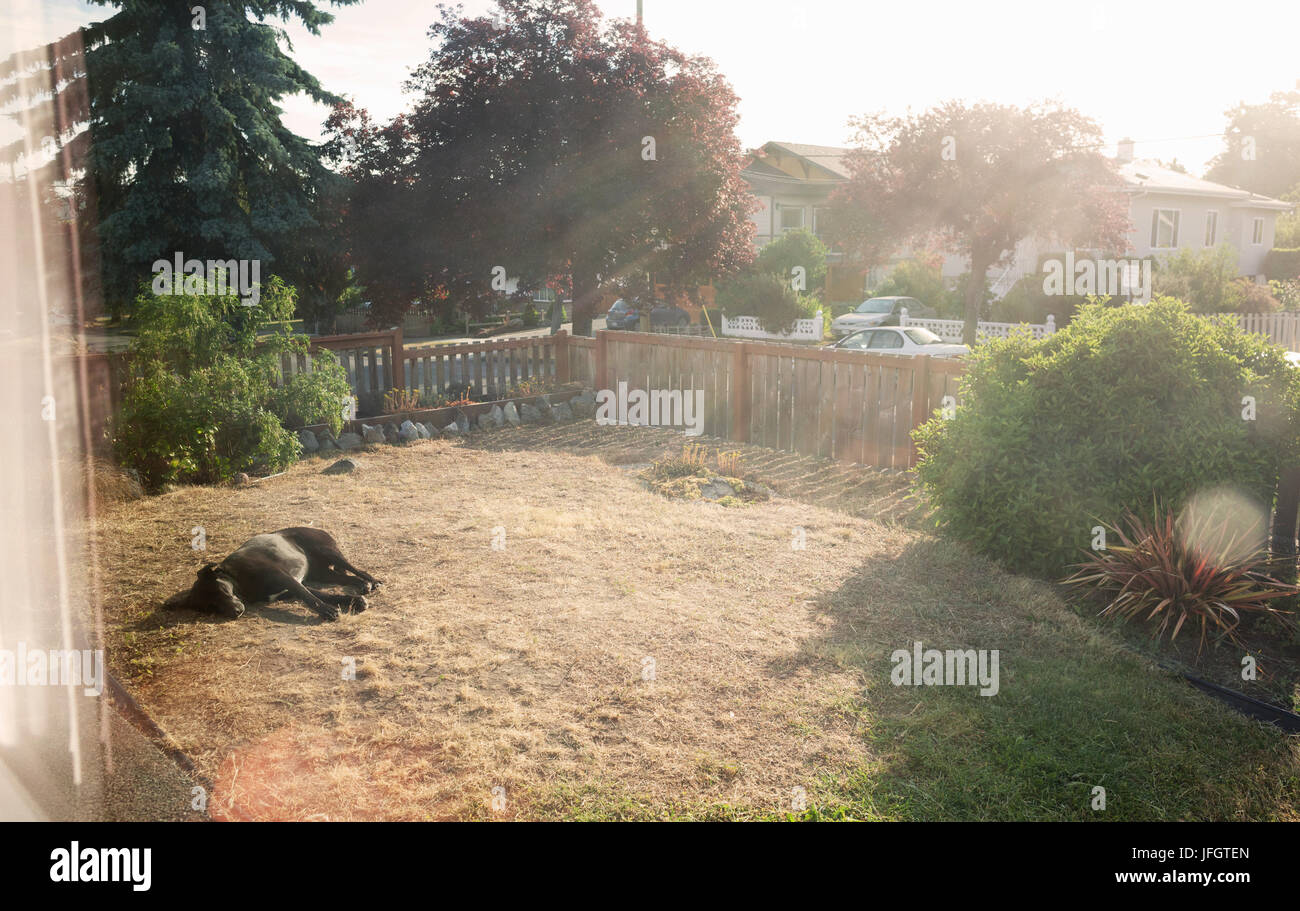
column 768, row 297
column 1123, row 406
column 1282, row 264
column 201, row 401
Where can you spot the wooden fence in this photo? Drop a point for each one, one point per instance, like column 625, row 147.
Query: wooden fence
column 853, row 406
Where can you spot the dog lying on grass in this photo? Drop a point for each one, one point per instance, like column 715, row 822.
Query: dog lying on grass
column 268, row 567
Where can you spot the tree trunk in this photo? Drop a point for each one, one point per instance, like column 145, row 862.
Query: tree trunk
column 585, row 293
column 1284, row 520
column 979, row 267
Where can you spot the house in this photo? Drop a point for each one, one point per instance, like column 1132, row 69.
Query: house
column 1173, row 211
column 1169, row 211
column 793, row 183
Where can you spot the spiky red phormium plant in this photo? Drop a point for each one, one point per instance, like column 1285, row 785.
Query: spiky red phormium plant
column 1202, row 571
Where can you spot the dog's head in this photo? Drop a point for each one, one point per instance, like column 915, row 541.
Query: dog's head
column 212, row 593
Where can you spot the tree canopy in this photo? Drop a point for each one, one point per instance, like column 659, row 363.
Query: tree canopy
column 1261, row 147
column 548, row 145
column 171, row 114
column 976, row 180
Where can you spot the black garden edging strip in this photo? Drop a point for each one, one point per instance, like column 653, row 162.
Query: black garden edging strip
column 1253, row 708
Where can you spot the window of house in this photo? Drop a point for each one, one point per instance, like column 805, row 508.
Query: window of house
column 1211, row 228
column 1164, row 229
column 791, row 218
column 821, row 216
column 1257, row 233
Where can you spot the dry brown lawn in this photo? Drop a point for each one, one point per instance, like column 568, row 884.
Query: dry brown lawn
column 524, row 672
column 652, row 647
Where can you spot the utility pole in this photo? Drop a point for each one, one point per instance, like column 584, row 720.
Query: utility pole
column 638, row 19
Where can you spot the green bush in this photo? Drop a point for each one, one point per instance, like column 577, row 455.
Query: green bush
column 530, row 316
column 201, row 403
column 1027, row 302
column 1206, row 279
column 921, row 279
column 795, row 248
column 768, row 297
column 1124, row 405
column 1281, row 264
column 1251, row 297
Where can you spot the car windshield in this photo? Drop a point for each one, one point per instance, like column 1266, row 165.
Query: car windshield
column 876, row 305
column 620, row 305
column 924, row 337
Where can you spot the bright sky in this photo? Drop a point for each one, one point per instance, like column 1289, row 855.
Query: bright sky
column 1160, row 72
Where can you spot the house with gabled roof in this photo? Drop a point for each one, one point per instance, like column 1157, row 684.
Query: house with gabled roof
column 1169, row 211
column 793, row 182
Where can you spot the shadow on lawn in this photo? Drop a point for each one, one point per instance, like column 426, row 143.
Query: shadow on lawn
column 1075, row 710
column 279, row 612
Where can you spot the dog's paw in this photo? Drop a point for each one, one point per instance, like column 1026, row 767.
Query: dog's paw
column 328, row 612
column 357, row 604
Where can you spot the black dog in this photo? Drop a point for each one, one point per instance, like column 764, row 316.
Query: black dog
column 267, row 567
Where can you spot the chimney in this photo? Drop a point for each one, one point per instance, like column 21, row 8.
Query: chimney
column 1124, row 151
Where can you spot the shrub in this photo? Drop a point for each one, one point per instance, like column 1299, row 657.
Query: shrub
column 1282, row 263
column 795, row 248
column 1206, row 279
column 767, row 297
column 921, row 278
column 530, row 316
column 1251, row 297
column 1287, row 293
column 1174, row 571
column 1123, row 405
column 201, row 401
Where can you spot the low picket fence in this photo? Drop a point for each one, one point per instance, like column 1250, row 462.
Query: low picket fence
column 950, row 330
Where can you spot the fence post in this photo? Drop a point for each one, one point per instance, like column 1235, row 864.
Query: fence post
column 740, row 393
column 561, row 356
column 600, row 380
column 399, row 363
column 920, row 398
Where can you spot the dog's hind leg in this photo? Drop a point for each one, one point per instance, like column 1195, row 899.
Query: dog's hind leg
column 353, row 603
column 340, row 562
column 315, row 600
column 323, row 574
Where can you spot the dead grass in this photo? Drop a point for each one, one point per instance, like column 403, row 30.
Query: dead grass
column 631, row 656
column 480, row 668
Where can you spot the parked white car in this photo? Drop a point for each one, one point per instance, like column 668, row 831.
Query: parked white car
column 878, row 311
column 908, row 341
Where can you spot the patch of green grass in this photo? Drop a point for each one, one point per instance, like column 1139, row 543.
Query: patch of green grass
column 1075, row 710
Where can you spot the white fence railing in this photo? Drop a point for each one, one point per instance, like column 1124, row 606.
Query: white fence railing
column 950, row 329
column 804, row 330
column 1282, row 327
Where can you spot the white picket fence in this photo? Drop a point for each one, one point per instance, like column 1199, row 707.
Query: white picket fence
column 804, row 330
column 950, row 329
column 1282, row 327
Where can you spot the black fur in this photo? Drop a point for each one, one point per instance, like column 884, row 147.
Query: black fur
column 267, row 567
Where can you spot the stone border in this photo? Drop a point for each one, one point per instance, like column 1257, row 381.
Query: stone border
column 568, row 402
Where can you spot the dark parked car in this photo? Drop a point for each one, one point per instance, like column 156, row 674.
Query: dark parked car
column 669, row 315
column 624, row 314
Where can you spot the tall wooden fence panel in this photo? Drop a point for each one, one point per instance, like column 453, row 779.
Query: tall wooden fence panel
column 853, row 406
